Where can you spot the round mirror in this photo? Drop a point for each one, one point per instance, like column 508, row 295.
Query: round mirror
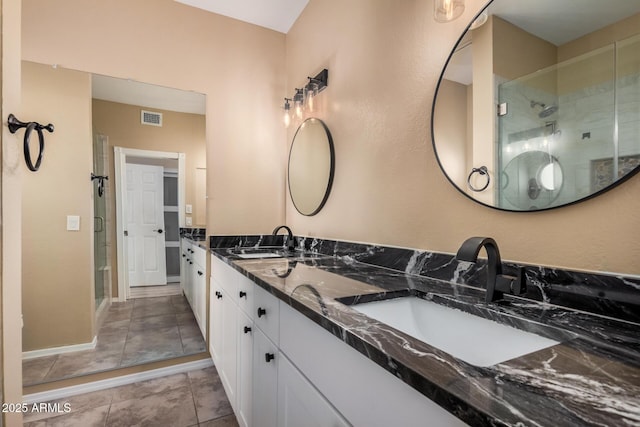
column 538, row 105
column 311, row 166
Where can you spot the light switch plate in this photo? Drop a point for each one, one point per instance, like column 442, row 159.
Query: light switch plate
column 73, row 223
column 188, row 221
column 188, row 209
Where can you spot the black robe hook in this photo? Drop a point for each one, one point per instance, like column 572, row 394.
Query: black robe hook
column 15, row 124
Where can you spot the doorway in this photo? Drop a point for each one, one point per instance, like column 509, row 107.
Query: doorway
column 141, row 245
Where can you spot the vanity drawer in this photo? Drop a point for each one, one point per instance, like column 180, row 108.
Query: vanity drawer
column 266, row 313
column 226, row 277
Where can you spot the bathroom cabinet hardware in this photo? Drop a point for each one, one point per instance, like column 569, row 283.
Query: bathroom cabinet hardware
column 101, row 179
column 268, row 357
column 482, row 170
column 199, row 273
column 247, row 329
column 159, row 231
column 242, row 294
column 15, row 124
column 218, row 294
column 261, row 312
column 190, row 262
column 184, row 255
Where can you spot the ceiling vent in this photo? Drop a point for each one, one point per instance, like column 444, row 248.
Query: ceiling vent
column 150, row 118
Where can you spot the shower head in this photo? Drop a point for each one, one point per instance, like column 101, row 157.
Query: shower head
column 547, row 111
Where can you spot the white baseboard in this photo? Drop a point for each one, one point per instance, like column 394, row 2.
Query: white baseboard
column 59, row 350
column 61, row 393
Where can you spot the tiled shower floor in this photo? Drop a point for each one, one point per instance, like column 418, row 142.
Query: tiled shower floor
column 136, row 331
column 194, row 398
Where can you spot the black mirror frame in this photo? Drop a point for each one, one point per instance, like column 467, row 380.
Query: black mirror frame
column 619, row 181
column 331, row 170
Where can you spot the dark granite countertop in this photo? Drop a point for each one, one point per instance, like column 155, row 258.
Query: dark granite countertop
column 591, row 378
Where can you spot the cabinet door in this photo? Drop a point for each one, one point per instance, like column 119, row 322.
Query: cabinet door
column 228, row 354
column 200, row 299
column 265, row 381
column 245, row 370
column 215, row 321
column 299, row 403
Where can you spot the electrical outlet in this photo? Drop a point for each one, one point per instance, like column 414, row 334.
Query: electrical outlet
column 188, row 209
column 189, row 221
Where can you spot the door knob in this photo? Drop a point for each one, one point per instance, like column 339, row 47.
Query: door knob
column 159, row 231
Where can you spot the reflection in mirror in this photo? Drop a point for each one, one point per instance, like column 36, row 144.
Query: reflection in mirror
column 536, row 81
column 74, row 322
column 311, row 166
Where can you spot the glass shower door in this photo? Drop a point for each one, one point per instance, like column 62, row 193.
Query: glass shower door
column 100, row 237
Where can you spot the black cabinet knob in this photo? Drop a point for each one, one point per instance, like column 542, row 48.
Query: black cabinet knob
column 247, row 329
column 261, row 312
column 199, row 273
column 190, row 262
column 243, row 294
column 218, row 294
column 184, row 255
column 268, row 357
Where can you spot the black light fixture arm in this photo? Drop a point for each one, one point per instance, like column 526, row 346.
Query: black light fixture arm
column 15, row 124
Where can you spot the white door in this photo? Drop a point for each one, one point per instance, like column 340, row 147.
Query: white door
column 145, row 225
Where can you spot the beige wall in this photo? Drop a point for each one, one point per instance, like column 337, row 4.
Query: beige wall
column 181, row 132
column 57, row 265
column 384, row 58
column 12, row 171
column 240, row 67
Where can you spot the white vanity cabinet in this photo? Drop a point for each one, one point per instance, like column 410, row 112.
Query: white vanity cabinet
column 264, row 388
column 194, row 280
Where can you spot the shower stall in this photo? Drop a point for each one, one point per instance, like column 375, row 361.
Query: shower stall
column 569, row 130
column 101, row 226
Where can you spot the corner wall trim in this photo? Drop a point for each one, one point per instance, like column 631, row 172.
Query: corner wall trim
column 61, row 393
column 60, row 350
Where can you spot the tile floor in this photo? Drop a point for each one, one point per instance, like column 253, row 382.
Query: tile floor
column 194, row 398
column 136, row 331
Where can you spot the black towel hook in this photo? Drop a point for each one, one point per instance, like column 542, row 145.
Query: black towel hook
column 100, row 179
column 15, row 124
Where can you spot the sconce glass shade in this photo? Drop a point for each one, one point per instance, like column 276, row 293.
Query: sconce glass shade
column 447, row 10
column 310, row 91
column 298, row 102
column 287, row 113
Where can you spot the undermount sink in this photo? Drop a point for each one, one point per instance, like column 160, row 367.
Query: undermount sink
column 253, row 253
column 477, row 341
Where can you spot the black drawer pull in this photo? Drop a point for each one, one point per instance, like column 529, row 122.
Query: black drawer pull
column 261, row 312
column 199, row 273
column 243, row 294
column 218, row 294
column 268, row 357
column 247, row 329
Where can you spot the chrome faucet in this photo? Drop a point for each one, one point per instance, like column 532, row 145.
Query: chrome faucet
column 497, row 283
column 290, row 243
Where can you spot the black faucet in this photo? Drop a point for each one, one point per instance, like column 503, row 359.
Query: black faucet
column 497, row 283
column 290, row 243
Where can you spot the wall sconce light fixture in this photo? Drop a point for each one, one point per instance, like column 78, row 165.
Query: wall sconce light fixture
column 447, row 10
column 303, row 98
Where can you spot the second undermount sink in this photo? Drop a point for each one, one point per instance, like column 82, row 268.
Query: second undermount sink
column 477, row 341
column 253, row 253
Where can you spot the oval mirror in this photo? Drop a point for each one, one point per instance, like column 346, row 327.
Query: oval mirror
column 538, row 105
column 311, row 166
